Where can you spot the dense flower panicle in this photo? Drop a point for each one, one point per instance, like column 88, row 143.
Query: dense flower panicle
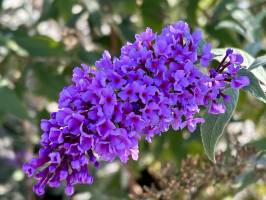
column 156, row 83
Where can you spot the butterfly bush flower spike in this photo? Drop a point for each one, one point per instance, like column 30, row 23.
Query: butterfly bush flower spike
column 156, row 83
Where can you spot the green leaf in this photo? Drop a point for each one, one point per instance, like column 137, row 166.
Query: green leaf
column 39, row 45
column 258, row 62
column 254, row 48
column 259, row 144
column 49, row 10
column 254, row 87
column 57, row 9
column 246, row 19
column 220, row 9
column 212, row 129
column 246, row 179
column 257, row 68
column 88, row 57
column 11, row 104
column 150, row 18
column 64, row 8
column 48, row 84
column 260, row 73
column 191, row 10
column 231, row 25
column 224, row 36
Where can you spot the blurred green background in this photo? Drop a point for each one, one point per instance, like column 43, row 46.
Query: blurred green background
column 42, row 40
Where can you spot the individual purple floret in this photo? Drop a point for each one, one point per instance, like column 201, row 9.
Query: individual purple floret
column 156, row 84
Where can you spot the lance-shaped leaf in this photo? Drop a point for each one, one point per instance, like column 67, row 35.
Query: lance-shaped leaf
column 254, row 87
column 259, row 73
column 260, row 61
column 258, row 68
column 212, row 129
column 11, row 104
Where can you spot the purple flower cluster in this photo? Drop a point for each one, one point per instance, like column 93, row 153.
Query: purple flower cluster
column 157, row 83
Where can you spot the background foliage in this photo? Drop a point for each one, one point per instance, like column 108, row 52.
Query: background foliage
column 42, row 40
